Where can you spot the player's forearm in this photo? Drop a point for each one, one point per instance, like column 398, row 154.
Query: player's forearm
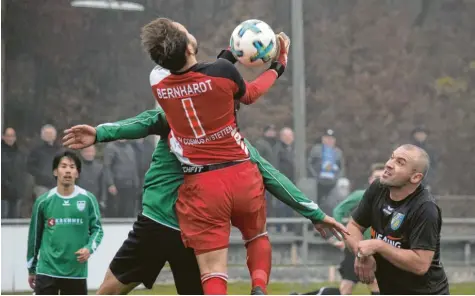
column 259, row 86
column 407, row 260
column 356, row 235
column 140, row 126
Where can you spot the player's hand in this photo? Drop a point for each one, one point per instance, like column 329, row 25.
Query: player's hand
column 32, row 280
column 283, row 42
column 113, row 190
column 338, row 229
column 83, row 254
column 369, row 247
column 79, row 136
column 365, row 268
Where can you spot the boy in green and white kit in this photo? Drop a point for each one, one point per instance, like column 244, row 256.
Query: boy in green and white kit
column 65, row 229
column 155, row 238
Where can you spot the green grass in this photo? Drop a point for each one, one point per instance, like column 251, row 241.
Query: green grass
column 243, row 288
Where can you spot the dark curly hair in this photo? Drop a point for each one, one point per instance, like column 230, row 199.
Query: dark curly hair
column 165, row 43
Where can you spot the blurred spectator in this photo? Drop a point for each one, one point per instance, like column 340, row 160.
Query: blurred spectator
column 40, row 159
column 13, row 174
column 284, row 152
column 326, row 164
column 121, row 167
column 143, row 152
column 93, row 177
column 419, row 138
column 265, row 145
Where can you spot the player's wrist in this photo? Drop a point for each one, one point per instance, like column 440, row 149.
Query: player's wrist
column 278, row 67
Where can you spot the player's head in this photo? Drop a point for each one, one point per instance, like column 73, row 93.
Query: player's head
column 66, row 168
column 407, row 165
column 376, row 172
column 169, row 44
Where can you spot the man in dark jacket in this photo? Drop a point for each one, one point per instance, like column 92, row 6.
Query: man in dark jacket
column 266, row 143
column 13, row 175
column 120, row 163
column 284, row 155
column 93, row 177
column 326, row 164
column 265, row 146
column 40, row 159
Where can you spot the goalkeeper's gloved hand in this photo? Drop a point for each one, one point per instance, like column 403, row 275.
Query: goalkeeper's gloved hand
column 227, row 55
column 280, row 61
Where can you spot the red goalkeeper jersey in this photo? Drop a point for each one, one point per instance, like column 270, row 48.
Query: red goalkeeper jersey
column 200, row 106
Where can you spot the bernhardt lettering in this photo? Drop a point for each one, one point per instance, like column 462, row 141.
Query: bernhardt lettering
column 186, row 90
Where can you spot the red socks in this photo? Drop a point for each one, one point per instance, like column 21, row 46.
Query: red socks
column 259, row 261
column 215, row 283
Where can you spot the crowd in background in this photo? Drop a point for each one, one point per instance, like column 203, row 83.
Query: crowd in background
column 116, row 177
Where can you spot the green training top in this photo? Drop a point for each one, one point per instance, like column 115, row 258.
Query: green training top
column 343, row 210
column 165, row 175
column 59, row 227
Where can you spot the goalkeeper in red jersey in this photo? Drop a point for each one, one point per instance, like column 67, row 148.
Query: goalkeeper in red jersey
column 221, row 185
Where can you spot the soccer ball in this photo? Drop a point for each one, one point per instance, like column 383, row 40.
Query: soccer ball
column 253, row 43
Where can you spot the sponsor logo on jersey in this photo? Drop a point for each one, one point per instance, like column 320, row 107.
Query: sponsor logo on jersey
column 388, row 210
column 396, row 220
column 66, row 203
column 393, row 241
column 81, row 204
column 65, row 221
column 51, row 222
column 192, row 169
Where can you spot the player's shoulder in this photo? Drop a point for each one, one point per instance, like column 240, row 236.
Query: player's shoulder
column 158, row 74
column 427, row 208
column 84, row 193
column 219, row 68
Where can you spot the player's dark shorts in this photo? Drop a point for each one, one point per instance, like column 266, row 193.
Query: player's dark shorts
column 47, row 285
column 347, row 269
column 146, row 250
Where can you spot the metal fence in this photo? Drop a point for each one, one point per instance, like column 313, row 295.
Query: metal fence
column 304, row 237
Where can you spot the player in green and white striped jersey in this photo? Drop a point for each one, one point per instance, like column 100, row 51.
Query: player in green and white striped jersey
column 65, row 229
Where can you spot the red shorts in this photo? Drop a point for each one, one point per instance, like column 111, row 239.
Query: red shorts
column 208, row 203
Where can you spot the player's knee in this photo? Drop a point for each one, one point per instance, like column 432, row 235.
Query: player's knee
column 112, row 286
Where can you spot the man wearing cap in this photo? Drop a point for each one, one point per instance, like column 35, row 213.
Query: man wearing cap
column 326, row 164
